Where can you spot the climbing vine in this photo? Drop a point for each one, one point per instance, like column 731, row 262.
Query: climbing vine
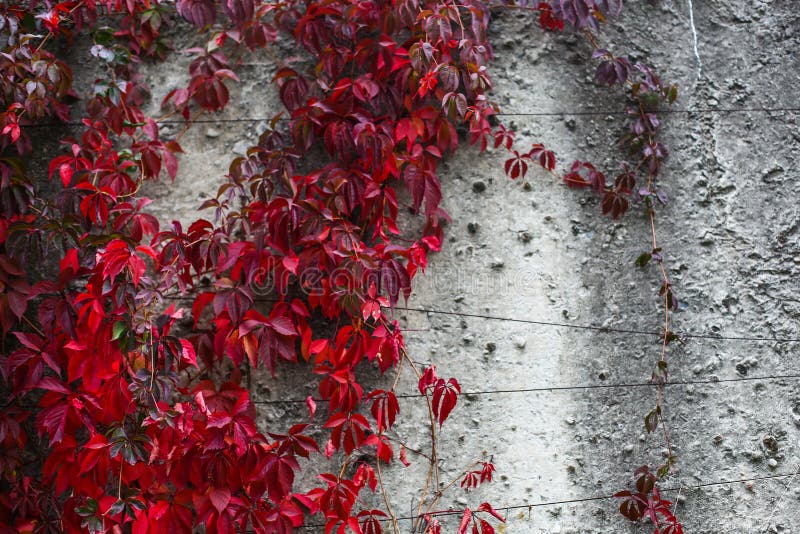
column 123, row 412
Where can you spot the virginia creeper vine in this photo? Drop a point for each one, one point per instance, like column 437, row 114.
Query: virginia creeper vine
column 123, row 413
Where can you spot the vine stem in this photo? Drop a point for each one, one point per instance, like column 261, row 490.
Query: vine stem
column 400, row 442
column 189, row 124
column 344, row 466
column 46, row 38
column 448, row 486
column 433, row 469
column 119, row 485
column 397, row 376
column 667, row 302
column 386, row 498
column 665, row 340
column 33, row 326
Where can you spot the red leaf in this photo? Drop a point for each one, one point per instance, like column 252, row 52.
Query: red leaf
column 68, row 266
column 283, row 326
column 66, row 172
column 200, row 302
column 339, row 498
column 53, row 420
column 486, row 528
column 445, row 395
column 291, row 263
column 365, row 476
column 615, row 204
column 312, row 406
column 486, row 507
column 370, row 521
column 94, row 452
column 17, row 303
column 487, row 470
column 13, row 130
column 220, row 497
column 427, row 379
column 575, row 180
column 371, row 308
column 170, row 163
column 503, row 137
column 32, row 341
column 403, row 457
column 330, row 448
column 384, row 408
column 382, row 447
column 280, row 472
column 150, row 129
column 517, row 166
column 317, row 346
column 348, row 430
column 548, row 19
column 547, row 159
column 137, row 268
column 188, row 354
column 51, row 384
column 465, row 520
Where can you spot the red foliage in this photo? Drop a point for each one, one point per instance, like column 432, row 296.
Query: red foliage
column 137, row 435
column 646, row 502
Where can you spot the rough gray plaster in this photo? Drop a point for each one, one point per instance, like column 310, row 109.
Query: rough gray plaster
column 730, row 234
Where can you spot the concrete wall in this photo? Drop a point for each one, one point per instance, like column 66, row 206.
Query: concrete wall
column 730, row 234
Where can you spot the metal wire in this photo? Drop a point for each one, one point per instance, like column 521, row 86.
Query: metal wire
column 542, row 389
column 687, row 335
column 601, row 329
column 586, row 113
column 580, row 500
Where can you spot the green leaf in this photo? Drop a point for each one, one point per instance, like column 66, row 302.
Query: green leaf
column 672, row 336
column 116, row 508
column 672, row 94
column 104, row 36
column 649, row 101
column 651, row 420
column 661, row 372
column 29, row 22
column 118, row 330
column 93, row 524
column 666, row 468
column 88, row 509
column 643, row 259
column 88, row 512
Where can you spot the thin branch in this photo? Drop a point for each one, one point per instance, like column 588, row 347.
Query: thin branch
column 386, row 498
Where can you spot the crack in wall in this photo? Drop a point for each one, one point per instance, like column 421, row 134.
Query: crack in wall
column 694, row 40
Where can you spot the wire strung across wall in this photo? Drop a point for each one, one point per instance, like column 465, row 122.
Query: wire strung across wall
column 543, row 389
column 702, row 111
column 530, row 506
column 686, row 335
column 594, row 328
column 588, row 113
